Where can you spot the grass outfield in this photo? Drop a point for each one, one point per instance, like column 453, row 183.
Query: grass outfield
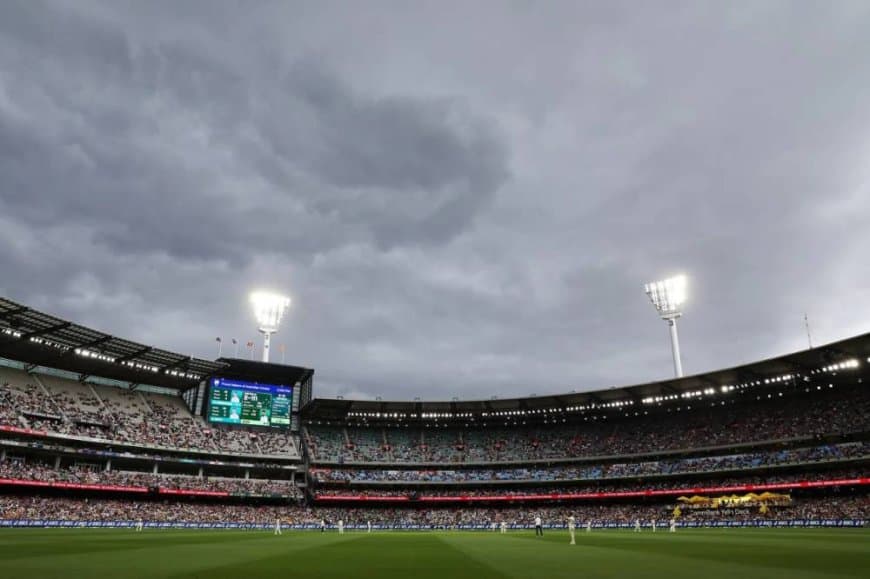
column 705, row 554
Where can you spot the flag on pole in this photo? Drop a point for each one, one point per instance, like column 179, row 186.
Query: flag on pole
column 217, row 339
column 234, row 341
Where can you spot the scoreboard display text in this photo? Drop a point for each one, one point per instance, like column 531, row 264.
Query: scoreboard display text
column 249, row 404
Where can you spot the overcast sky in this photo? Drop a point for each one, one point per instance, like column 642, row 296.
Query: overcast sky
column 462, row 198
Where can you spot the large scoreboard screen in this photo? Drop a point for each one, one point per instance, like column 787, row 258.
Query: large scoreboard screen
column 249, row 404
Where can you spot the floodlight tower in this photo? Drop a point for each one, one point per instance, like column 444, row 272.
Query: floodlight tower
column 269, row 309
column 668, row 297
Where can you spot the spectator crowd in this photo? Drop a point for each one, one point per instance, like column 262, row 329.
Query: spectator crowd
column 42, row 508
column 644, row 485
column 821, row 453
column 807, row 416
column 116, row 415
column 33, row 471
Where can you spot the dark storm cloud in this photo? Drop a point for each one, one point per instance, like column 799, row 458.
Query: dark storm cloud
column 166, row 150
column 461, row 202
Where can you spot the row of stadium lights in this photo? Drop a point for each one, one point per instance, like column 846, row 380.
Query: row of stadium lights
column 614, row 404
column 500, row 413
column 85, row 353
column 95, row 355
column 515, row 420
column 35, row 340
column 712, row 391
column 136, row 365
column 508, row 421
column 850, row 364
column 847, row 365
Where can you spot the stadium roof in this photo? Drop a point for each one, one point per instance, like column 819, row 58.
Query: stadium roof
column 846, row 360
column 257, row 371
column 40, row 339
column 34, row 337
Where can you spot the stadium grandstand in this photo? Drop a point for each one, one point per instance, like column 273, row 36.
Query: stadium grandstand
column 103, row 431
column 85, row 412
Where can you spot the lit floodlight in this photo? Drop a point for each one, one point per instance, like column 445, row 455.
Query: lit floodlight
column 269, row 308
column 668, row 297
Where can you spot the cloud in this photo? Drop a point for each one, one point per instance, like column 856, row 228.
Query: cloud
column 455, row 211
column 169, row 152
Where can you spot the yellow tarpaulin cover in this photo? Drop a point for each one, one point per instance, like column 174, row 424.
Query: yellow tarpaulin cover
column 749, row 499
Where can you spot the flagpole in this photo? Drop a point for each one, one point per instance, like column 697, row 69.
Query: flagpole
column 807, row 325
column 236, row 344
column 220, row 347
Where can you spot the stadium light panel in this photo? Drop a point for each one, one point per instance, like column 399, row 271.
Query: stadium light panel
column 269, row 309
column 668, row 297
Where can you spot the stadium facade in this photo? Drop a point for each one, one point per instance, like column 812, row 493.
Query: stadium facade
column 102, row 431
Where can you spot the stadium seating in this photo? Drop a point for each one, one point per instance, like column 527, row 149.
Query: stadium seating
column 107, row 413
column 41, row 508
column 34, row 471
column 816, row 454
column 656, row 484
column 806, row 417
column 819, row 437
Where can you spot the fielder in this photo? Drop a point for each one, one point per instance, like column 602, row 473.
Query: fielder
column 139, row 526
column 539, row 526
column 637, row 525
column 673, row 526
column 503, row 527
column 340, row 527
column 277, row 526
column 571, row 528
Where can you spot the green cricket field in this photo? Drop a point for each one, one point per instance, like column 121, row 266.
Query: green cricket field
column 704, row 554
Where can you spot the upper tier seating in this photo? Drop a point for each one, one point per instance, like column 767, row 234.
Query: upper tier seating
column 838, row 411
